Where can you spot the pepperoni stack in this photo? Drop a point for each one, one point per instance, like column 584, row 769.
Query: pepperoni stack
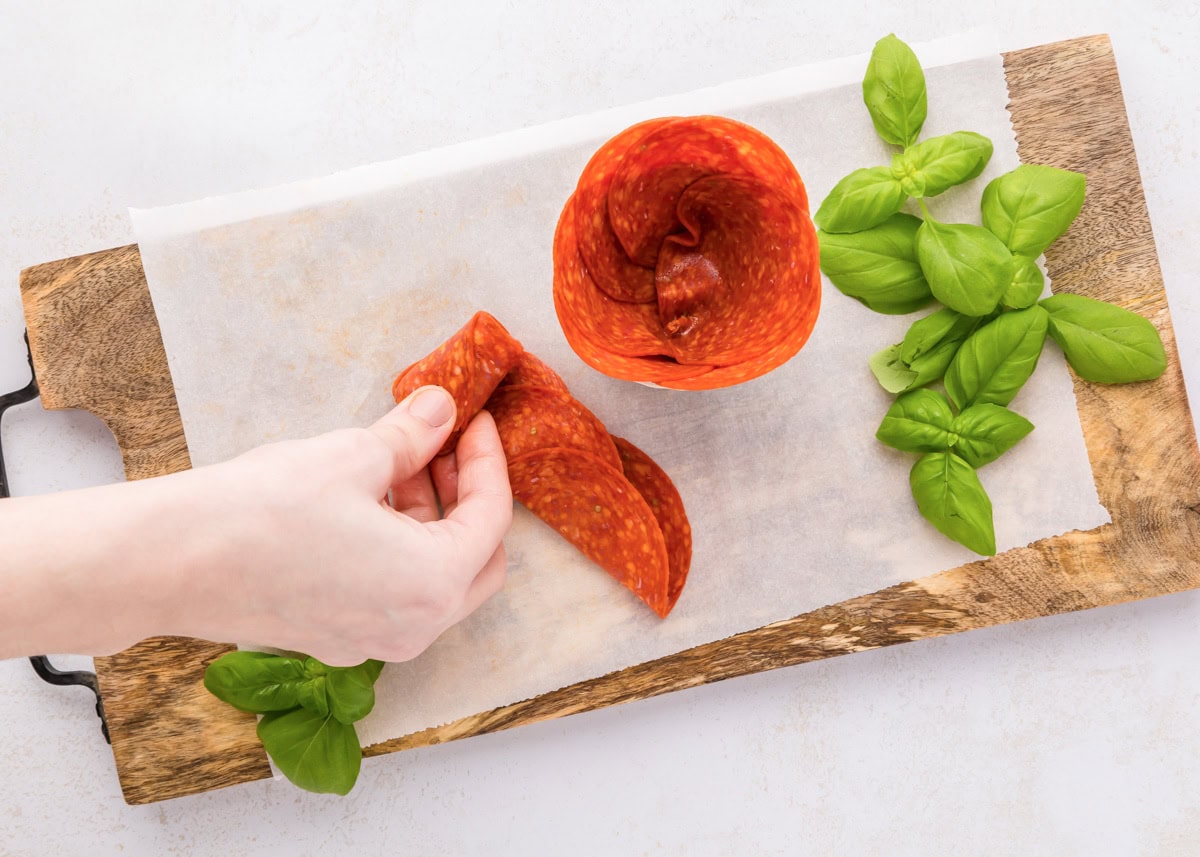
column 602, row 493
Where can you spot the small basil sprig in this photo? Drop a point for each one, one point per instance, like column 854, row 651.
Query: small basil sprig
column 935, row 165
column 985, row 342
column 309, row 710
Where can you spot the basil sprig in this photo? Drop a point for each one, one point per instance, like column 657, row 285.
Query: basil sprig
column 309, row 710
column 985, row 341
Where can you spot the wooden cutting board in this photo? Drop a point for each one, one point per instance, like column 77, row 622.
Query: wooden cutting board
column 96, row 346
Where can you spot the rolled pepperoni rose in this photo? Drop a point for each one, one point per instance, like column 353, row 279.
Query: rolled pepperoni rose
column 686, row 256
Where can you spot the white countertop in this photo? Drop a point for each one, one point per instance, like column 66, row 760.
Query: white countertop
column 1078, row 734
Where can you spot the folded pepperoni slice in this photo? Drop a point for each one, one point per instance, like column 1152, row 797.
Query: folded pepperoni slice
column 530, row 370
column 603, row 494
column 594, row 507
column 469, row 365
column 530, row 418
column 659, row 492
column 718, row 213
column 615, row 274
column 722, row 281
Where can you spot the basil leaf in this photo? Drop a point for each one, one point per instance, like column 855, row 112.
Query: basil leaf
column 997, row 359
column 256, row 681
column 950, row 496
column 984, row 432
column 925, row 333
column 372, row 668
column 966, row 266
column 894, row 92
column 314, row 695
column 315, row 752
column 1103, row 342
column 1025, row 283
column 1031, row 206
column 351, row 692
column 931, row 363
column 935, row 165
column 878, row 266
column 917, row 422
column 863, row 199
column 889, row 370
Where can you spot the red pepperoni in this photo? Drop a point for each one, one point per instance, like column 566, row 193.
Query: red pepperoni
column 469, row 365
column 594, row 507
column 657, row 489
column 603, row 494
column 530, row 370
column 530, row 418
column 614, row 273
column 716, row 211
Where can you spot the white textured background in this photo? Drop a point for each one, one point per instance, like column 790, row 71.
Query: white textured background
column 1073, row 735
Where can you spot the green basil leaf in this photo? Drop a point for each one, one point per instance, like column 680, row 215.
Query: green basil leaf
column 889, row 370
column 984, row 432
column 894, row 92
column 950, row 496
column 1025, row 283
column 931, row 363
column 997, row 359
column 256, row 681
column 917, row 422
column 373, row 668
column 314, row 668
column 315, row 752
column 966, row 266
column 863, row 199
column 878, row 266
column 314, row 695
column 1031, row 206
column 935, row 165
column 351, row 692
column 1103, row 342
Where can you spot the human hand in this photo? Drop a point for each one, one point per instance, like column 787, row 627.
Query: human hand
column 304, row 551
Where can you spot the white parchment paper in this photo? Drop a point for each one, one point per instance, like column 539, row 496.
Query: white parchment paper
column 287, row 312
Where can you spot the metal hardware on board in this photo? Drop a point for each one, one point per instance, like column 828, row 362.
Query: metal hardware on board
column 45, row 670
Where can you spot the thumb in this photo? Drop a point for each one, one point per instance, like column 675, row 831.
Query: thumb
column 415, row 429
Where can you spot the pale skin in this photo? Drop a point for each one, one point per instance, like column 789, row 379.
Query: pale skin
column 292, row 545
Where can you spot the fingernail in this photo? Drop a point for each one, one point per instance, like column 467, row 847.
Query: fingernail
column 432, row 405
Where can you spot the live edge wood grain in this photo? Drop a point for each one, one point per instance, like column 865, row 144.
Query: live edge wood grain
column 96, row 346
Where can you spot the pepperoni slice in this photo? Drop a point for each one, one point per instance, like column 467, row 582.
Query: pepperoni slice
column 717, row 213
column 530, row 418
column 659, row 492
column 469, row 365
column 530, row 370
column 594, row 507
column 615, row 274
column 603, row 494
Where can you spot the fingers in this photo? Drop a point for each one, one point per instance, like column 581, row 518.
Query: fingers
column 487, row 583
column 415, row 430
column 414, row 496
column 482, row 511
column 444, row 469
